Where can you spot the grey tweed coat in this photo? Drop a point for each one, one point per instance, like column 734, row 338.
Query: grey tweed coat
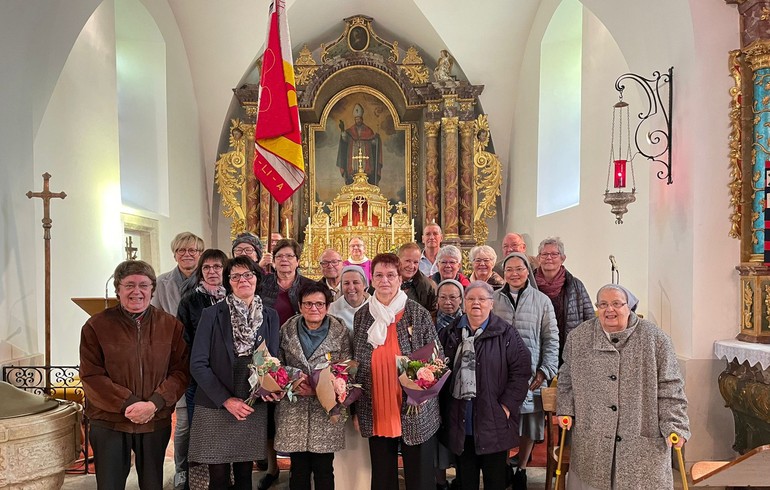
column 414, row 331
column 304, row 425
column 626, row 396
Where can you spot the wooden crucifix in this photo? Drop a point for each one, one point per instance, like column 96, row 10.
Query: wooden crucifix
column 46, row 195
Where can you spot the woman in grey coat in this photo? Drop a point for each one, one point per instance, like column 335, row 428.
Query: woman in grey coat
column 303, row 428
column 620, row 381
column 521, row 304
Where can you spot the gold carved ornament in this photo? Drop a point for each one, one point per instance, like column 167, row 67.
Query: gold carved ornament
column 767, row 303
column 736, row 173
column 748, row 303
column 488, row 176
column 414, row 68
column 305, row 66
column 230, row 174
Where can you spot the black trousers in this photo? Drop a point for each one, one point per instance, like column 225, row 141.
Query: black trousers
column 219, row 476
column 320, row 465
column 112, row 457
column 491, row 465
column 419, row 463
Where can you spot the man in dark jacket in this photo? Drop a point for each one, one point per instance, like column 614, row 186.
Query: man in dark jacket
column 416, row 286
column 480, row 402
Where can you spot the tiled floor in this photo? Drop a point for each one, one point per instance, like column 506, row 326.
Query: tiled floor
column 88, row 482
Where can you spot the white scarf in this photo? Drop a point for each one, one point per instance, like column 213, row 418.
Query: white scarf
column 357, row 262
column 383, row 315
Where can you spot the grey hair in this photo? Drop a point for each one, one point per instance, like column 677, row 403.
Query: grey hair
column 479, row 285
column 612, row 287
column 485, row 249
column 449, row 251
column 553, row 240
column 358, row 270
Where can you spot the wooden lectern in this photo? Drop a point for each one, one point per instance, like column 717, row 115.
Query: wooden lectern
column 92, row 306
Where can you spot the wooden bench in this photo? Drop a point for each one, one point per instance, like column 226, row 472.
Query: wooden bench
column 749, row 470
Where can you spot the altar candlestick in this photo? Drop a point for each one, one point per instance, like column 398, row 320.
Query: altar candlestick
column 327, row 231
column 392, row 233
column 413, row 239
column 310, row 229
column 287, row 228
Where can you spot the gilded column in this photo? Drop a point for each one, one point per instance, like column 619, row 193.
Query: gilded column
column 252, row 201
column 451, row 177
column 265, row 201
column 758, row 58
column 286, row 226
column 432, row 196
column 466, row 179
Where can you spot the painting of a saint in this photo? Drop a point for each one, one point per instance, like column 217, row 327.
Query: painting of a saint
column 360, row 123
column 359, row 146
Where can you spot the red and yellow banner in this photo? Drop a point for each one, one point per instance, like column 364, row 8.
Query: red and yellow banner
column 278, row 161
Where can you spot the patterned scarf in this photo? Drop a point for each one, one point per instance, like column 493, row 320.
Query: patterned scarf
column 217, row 295
column 443, row 319
column 465, row 364
column 246, row 321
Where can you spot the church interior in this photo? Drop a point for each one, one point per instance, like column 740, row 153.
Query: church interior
column 129, row 105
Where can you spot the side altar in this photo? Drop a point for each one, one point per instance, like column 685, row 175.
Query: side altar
column 388, row 149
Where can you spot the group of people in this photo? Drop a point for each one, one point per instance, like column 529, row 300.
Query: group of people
column 507, row 328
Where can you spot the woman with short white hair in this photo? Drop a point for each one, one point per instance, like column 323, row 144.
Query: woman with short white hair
column 483, row 259
column 450, row 261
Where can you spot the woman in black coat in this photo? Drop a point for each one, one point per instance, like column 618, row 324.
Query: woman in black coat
column 480, row 401
column 225, row 429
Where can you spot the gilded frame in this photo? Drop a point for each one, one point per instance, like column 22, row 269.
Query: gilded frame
column 326, row 191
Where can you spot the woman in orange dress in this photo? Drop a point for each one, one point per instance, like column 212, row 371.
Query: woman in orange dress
column 388, row 326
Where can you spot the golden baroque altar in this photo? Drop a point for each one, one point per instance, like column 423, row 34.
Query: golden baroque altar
column 387, row 151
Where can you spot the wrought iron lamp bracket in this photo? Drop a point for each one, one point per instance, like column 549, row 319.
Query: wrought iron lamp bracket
column 657, row 138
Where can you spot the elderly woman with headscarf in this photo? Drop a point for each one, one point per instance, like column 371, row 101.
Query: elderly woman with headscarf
column 391, row 325
column 571, row 302
column 621, row 384
column 521, row 304
column 483, row 259
column 353, row 284
column 450, row 302
column 480, row 401
column 450, row 260
column 226, row 430
column 303, row 428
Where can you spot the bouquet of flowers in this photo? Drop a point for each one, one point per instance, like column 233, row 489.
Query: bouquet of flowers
column 268, row 376
column 334, row 386
column 422, row 374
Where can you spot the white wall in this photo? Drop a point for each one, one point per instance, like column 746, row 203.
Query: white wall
column 588, row 229
column 78, row 144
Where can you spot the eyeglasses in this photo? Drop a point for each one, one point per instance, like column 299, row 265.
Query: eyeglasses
column 207, row 268
column 477, row 300
column 448, row 262
column 284, row 256
column 310, row 305
column 244, row 251
column 441, row 297
column 237, row 277
column 616, row 305
column 380, row 276
column 515, row 270
column 142, row 286
column 482, row 261
column 551, row 255
column 188, row 251
column 327, row 263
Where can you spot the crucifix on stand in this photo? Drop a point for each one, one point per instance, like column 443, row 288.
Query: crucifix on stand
column 46, row 195
column 361, row 159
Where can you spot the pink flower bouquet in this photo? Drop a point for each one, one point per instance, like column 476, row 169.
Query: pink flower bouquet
column 268, row 376
column 334, row 386
column 422, row 374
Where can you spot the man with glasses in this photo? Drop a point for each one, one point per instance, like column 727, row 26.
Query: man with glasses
column 187, row 248
column 331, row 268
column 358, row 256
